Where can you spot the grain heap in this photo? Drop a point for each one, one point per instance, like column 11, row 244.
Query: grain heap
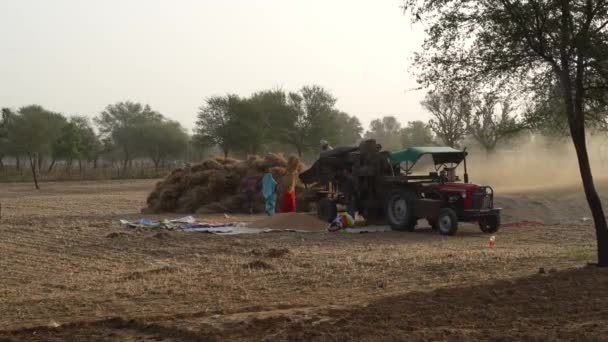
column 217, row 185
column 296, row 221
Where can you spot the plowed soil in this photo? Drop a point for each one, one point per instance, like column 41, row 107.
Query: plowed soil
column 69, row 272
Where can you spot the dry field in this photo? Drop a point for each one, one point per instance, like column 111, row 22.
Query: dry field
column 69, row 272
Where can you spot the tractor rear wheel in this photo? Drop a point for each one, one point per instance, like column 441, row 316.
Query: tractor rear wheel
column 399, row 213
column 447, row 222
column 489, row 224
column 327, row 210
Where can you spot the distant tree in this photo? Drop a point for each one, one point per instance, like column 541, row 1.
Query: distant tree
column 162, row 140
column 386, row 131
column 348, row 129
column 216, row 125
column 55, row 124
column 7, row 147
column 255, row 118
column 77, row 141
column 121, row 122
column 108, row 151
column 546, row 115
column 196, row 151
column 554, row 126
column 34, row 130
column 91, row 146
column 309, row 119
column 66, row 147
column 416, row 133
column 7, row 113
column 492, row 120
column 450, row 111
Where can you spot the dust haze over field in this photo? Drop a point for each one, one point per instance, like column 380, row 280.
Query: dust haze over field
column 539, row 179
column 537, row 164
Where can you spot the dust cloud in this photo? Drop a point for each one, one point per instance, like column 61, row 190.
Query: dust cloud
column 537, row 178
column 536, row 163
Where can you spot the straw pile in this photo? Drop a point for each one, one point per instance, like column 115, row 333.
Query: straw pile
column 217, row 185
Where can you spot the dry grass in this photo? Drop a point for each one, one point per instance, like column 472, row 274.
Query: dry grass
column 67, row 262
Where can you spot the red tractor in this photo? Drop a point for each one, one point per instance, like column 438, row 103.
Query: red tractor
column 384, row 187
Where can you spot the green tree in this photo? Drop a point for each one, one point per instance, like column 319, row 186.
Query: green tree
column 34, row 130
column 196, row 151
column 492, row 121
column 416, row 133
column 108, row 150
column 450, row 111
column 55, row 125
column 386, row 131
column 77, row 141
column 525, row 43
column 548, row 117
column 121, row 122
column 216, row 125
column 309, row 119
column 7, row 147
column 90, row 147
column 66, row 146
column 162, row 140
column 348, row 129
column 258, row 118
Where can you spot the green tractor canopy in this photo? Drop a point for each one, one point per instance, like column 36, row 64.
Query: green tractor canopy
column 440, row 155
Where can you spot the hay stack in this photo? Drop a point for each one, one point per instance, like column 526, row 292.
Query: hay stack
column 217, row 185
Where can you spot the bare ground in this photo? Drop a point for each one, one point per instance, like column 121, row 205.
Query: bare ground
column 70, row 272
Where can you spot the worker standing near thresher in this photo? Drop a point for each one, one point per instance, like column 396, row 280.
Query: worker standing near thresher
column 288, row 200
column 251, row 185
column 269, row 190
column 288, row 185
column 325, row 146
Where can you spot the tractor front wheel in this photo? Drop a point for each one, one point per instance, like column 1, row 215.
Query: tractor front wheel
column 447, row 222
column 327, row 210
column 489, row 224
column 399, row 213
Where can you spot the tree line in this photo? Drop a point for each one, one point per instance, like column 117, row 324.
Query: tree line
column 268, row 120
column 37, row 137
column 460, row 116
column 275, row 120
column 297, row 122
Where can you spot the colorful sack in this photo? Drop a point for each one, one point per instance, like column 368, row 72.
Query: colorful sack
column 342, row 221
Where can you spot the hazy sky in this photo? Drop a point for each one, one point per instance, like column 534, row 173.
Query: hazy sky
column 77, row 56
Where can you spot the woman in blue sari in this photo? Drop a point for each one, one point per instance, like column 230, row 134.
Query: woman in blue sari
column 269, row 190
